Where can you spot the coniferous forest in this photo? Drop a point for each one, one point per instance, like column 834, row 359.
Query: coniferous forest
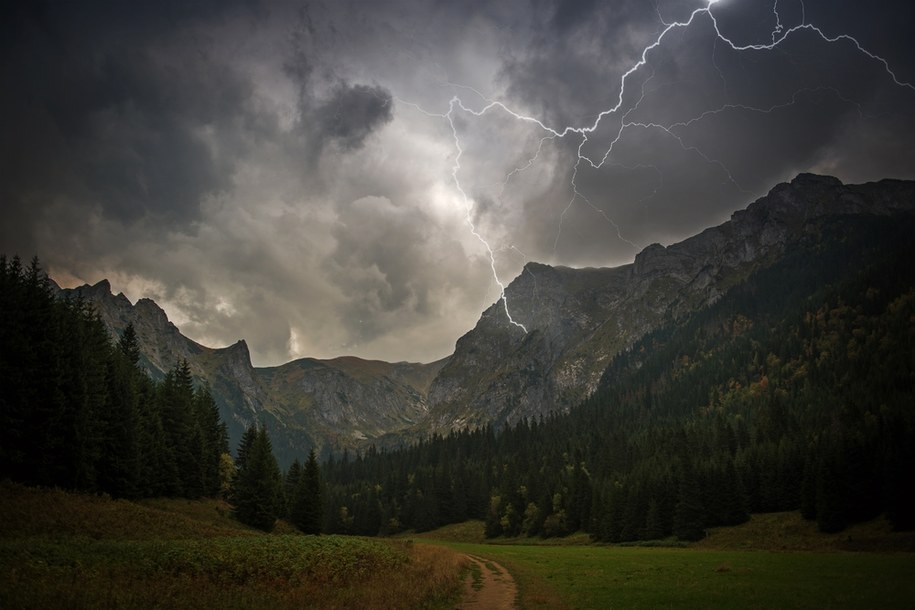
column 79, row 413
column 793, row 391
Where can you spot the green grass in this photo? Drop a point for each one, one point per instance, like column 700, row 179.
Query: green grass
column 476, row 573
column 775, row 560
column 615, row 577
column 468, row 531
column 28, row 511
column 83, row 551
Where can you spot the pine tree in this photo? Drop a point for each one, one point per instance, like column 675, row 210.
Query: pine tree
column 258, row 485
column 128, row 345
column 214, row 440
column 310, row 497
column 689, row 514
column 654, row 527
column 244, row 446
column 119, row 466
column 290, row 483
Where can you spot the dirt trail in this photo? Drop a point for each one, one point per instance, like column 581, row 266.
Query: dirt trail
column 489, row 587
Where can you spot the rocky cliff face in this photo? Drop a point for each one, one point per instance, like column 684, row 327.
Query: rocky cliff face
column 325, row 404
column 349, row 399
column 578, row 319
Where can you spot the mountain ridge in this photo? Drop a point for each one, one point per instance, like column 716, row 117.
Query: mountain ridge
column 330, row 404
column 577, row 320
column 576, row 328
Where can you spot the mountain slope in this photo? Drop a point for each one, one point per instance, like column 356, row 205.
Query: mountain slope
column 794, row 390
column 325, row 404
column 578, row 319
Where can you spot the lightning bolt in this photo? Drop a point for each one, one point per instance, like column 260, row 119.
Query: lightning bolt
column 779, row 34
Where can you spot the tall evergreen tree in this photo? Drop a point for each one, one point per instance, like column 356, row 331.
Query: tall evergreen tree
column 689, row 514
column 308, row 498
column 214, row 439
column 290, row 483
column 258, row 485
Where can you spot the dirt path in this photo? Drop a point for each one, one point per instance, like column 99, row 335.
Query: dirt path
column 489, row 586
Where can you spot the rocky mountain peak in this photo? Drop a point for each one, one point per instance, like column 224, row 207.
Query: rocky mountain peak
column 238, row 353
column 807, row 180
column 651, row 260
column 102, row 286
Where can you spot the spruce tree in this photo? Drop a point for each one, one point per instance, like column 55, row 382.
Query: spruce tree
column 290, row 483
column 689, row 513
column 214, row 439
column 308, row 498
column 258, row 485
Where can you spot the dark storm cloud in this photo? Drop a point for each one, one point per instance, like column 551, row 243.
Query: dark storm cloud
column 824, row 98
column 571, row 13
column 352, row 113
column 332, row 111
column 280, row 171
column 570, row 70
column 105, row 104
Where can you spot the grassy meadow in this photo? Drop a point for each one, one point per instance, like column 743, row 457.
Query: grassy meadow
column 84, row 551
column 80, row 551
column 767, row 563
column 621, row 577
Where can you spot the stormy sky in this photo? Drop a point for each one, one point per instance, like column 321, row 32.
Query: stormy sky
column 305, row 175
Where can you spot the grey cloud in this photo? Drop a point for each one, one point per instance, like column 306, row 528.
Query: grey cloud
column 332, row 110
column 571, row 13
column 261, row 170
column 830, row 99
column 352, row 113
column 105, row 106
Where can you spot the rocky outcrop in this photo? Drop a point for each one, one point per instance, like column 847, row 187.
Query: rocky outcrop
column 350, row 399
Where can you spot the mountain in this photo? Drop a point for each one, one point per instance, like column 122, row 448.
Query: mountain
column 328, row 404
column 577, row 320
column 793, row 391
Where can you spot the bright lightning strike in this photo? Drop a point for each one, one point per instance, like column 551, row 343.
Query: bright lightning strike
column 779, row 34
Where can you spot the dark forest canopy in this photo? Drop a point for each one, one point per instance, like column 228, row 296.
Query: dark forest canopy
column 794, row 391
column 79, row 413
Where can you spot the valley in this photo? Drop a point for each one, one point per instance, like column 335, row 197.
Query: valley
column 73, row 550
column 699, row 426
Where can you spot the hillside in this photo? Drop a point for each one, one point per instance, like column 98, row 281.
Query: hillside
column 793, row 391
column 579, row 319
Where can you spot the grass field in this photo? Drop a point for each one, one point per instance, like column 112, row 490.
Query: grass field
column 615, row 577
column 744, row 567
column 83, row 551
column 61, row 550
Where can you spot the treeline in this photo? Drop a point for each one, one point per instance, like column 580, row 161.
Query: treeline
column 261, row 493
column 77, row 412
column 793, row 391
